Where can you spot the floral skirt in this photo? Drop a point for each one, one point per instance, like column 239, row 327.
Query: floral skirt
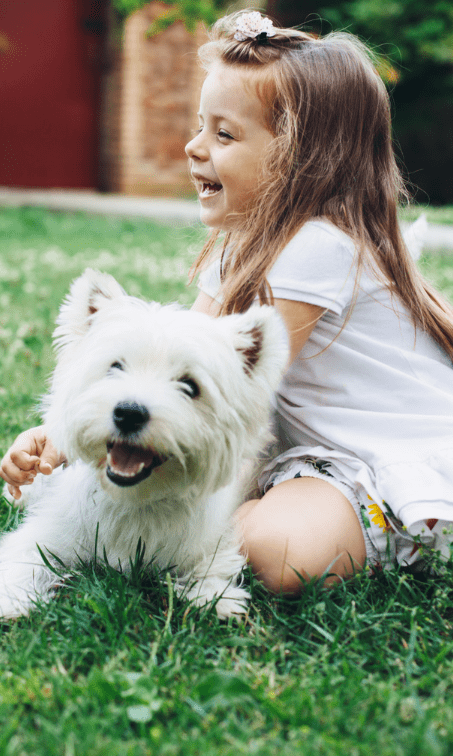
column 387, row 541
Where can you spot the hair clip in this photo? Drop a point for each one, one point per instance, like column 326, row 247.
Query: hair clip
column 254, row 26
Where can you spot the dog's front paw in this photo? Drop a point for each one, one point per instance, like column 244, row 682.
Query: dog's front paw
column 12, row 607
column 232, row 603
column 24, row 583
column 231, row 600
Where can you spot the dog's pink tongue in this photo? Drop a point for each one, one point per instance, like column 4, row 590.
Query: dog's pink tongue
column 129, row 459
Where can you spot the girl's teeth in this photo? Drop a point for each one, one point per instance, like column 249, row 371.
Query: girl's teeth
column 209, row 189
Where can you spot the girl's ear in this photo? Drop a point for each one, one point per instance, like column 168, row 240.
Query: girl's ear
column 88, row 294
column 260, row 339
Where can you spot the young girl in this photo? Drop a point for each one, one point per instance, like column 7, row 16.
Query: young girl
column 293, row 162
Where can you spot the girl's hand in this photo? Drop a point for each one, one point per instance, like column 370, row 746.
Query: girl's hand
column 30, row 453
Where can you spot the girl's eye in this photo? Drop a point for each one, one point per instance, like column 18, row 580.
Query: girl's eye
column 189, row 387
column 224, row 134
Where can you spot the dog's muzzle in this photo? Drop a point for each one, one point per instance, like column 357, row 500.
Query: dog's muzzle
column 127, row 463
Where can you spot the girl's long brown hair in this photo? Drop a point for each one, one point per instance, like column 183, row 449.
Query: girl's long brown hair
column 331, row 157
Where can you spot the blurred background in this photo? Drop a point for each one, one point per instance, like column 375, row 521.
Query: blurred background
column 103, row 94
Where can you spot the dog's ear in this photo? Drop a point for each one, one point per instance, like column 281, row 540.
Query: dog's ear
column 260, row 339
column 88, row 294
column 251, row 353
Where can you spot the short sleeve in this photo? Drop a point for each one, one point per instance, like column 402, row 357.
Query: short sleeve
column 318, row 267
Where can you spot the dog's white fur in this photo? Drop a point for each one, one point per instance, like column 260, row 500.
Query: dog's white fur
column 115, row 350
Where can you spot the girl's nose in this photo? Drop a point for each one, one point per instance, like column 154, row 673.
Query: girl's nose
column 196, row 148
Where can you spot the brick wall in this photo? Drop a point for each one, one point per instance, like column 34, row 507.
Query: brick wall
column 151, row 92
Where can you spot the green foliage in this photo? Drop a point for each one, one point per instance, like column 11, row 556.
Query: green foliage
column 125, row 7
column 411, row 33
column 190, row 12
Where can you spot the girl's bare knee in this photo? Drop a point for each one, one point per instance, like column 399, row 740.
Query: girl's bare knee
column 266, row 550
column 301, row 528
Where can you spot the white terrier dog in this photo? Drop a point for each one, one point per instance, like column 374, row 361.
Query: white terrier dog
column 155, row 408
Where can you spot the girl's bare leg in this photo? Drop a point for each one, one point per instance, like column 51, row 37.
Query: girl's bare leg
column 303, row 524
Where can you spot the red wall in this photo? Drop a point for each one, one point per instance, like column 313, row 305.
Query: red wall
column 49, row 92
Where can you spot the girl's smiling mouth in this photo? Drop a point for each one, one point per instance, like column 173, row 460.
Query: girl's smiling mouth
column 206, row 188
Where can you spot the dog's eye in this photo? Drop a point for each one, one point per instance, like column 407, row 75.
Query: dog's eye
column 116, row 366
column 189, row 387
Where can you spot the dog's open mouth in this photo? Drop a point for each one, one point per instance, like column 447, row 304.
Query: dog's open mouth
column 128, row 465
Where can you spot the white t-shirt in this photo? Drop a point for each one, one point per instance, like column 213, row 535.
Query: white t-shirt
column 368, row 392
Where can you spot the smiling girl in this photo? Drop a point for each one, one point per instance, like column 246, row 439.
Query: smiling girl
column 226, row 155
column 293, row 163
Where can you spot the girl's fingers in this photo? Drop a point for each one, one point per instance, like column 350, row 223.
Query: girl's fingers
column 50, row 459
column 15, row 492
column 45, row 467
column 22, row 460
column 30, row 454
column 17, row 476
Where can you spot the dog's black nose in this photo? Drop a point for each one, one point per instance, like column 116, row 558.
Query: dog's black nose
column 130, row 417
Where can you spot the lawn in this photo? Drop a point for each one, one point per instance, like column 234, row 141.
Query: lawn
column 118, row 666
column 442, row 215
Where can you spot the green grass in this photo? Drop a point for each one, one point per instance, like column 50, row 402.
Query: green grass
column 433, row 214
column 118, row 666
